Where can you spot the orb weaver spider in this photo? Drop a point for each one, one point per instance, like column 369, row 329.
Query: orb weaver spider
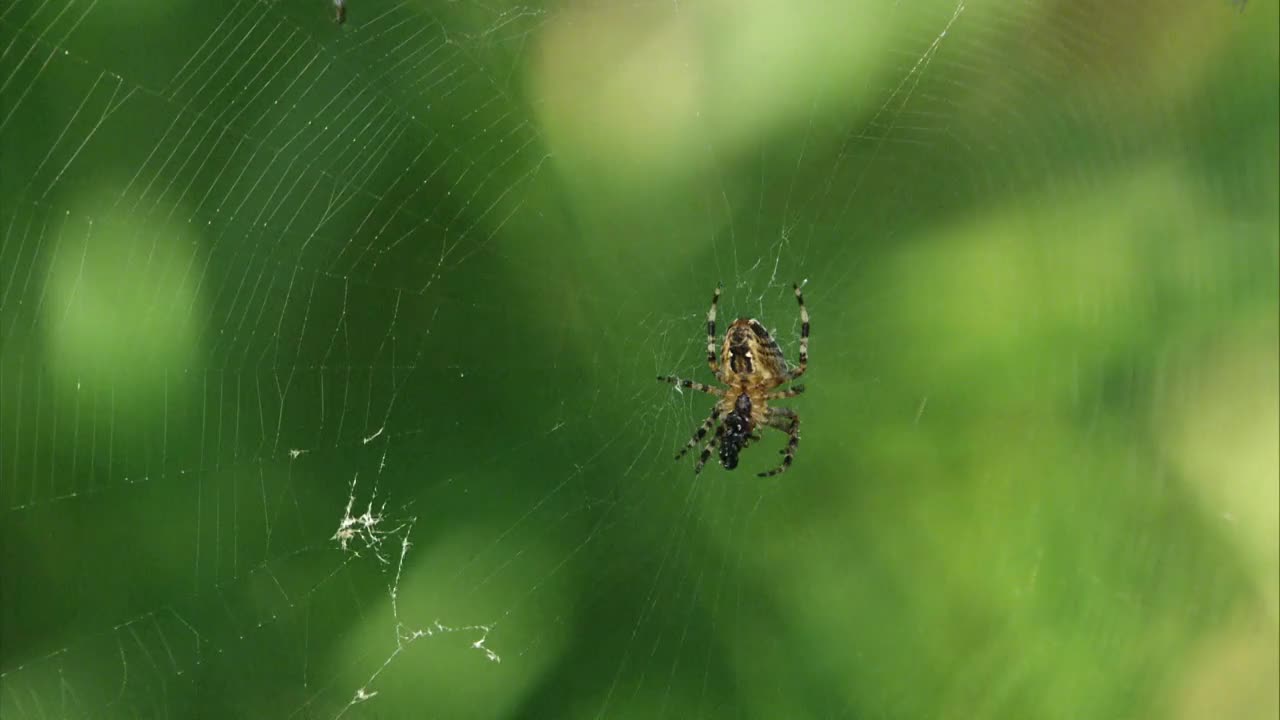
column 751, row 365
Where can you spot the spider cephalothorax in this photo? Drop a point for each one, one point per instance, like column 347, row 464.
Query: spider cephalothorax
column 751, row 364
column 737, row 430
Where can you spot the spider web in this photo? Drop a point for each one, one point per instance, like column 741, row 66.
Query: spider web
column 328, row 355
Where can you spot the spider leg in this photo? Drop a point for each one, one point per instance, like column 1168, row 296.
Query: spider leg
column 783, row 394
column 692, row 385
column 804, row 338
column 711, row 333
column 706, row 451
column 786, row 420
column 701, row 433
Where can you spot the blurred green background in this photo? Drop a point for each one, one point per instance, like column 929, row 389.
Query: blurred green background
column 327, row 357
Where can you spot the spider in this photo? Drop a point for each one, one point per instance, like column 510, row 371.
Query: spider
column 751, row 365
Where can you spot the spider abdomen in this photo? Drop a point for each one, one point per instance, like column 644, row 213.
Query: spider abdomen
column 751, row 357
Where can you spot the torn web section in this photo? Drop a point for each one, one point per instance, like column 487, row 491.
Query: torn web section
column 171, row 473
column 185, row 537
